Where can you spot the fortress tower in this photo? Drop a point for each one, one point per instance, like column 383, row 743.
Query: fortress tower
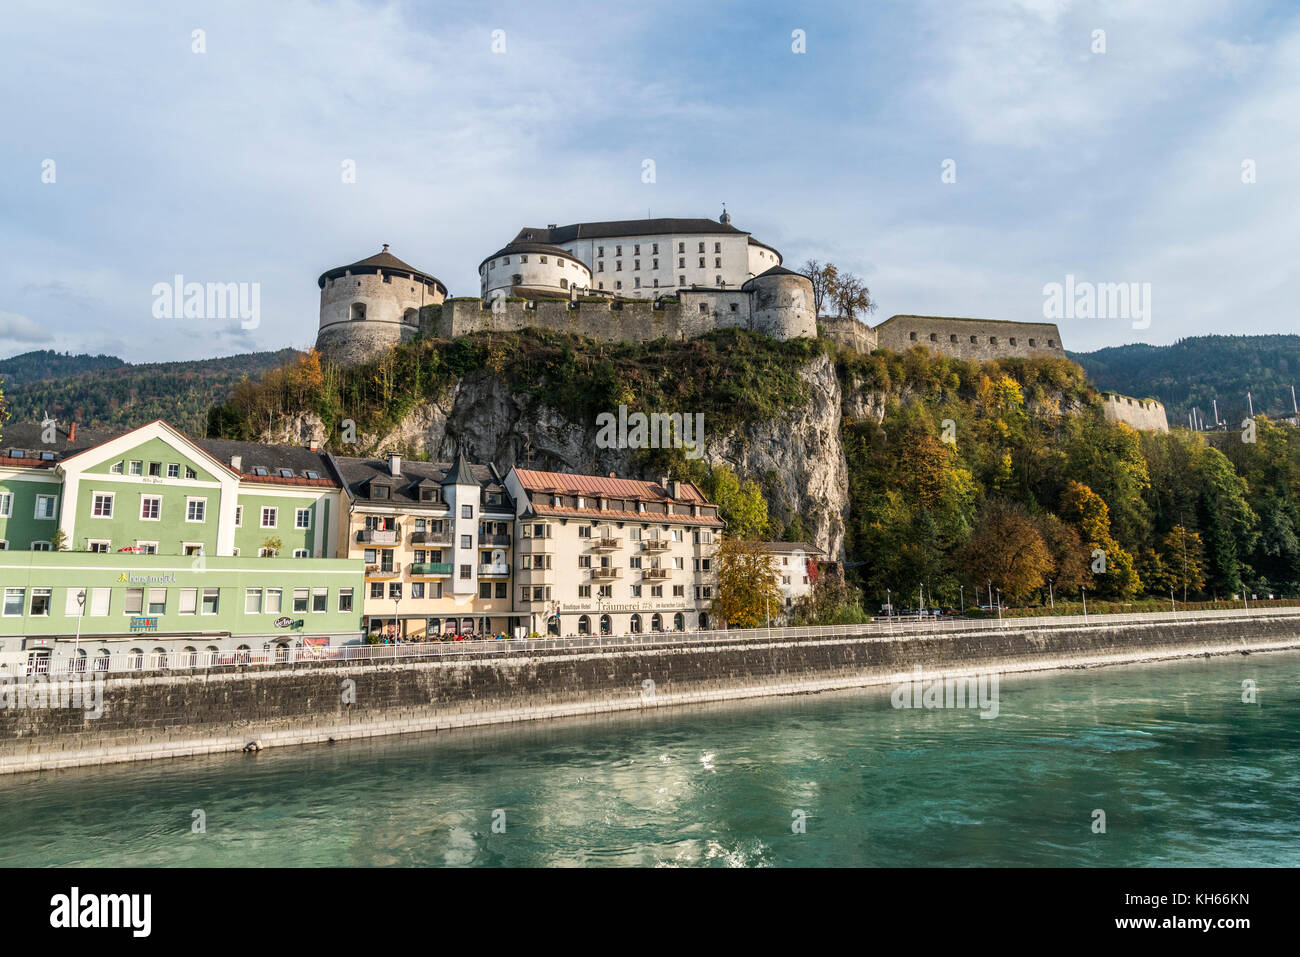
column 372, row 305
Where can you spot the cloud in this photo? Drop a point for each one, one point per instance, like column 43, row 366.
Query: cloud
column 20, row 329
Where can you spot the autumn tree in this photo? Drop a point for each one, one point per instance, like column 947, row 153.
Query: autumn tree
column 742, row 506
column 847, row 294
column 1008, row 550
column 1182, row 560
column 1113, row 574
column 748, row 586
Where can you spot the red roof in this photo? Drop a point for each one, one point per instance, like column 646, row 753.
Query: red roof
column 562, row 482
column 611, row 515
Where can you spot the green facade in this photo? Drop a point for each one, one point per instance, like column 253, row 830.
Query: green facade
column 18, row 526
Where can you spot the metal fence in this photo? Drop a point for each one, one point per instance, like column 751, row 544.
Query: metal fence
column 285, row 653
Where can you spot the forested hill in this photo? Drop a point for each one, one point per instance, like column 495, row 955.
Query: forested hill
column 1200, row 369
column 101, row 391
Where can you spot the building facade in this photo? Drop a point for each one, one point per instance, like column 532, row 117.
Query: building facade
column 436, row 544
column 611, row 556
column 796, row 565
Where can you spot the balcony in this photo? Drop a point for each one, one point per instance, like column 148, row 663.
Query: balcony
column 606, row 544
column 607, row 572
column 430, row 569
column 379, row 571
column 492, row 571
column 655, row 544
column 655, row 573
column 379, row 536
column 494, row 539
column 431, row 538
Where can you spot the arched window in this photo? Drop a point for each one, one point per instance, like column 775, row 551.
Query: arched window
column 553, row 626
column 78, row 664
column 101, row 660
column 411, row 317
column 212, row 655
column 606, row 625
column 189, row 657
column 135, row 659
column 282, row 651
column 467, row 626
column 358, row 311
column 679, row 622
column 704, row 621
column 584, row 625
column 635, row 625
column 158, row 659
column 243, row 655
column 657, row 623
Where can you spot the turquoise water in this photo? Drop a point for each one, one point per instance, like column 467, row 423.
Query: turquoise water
column 1186, row 773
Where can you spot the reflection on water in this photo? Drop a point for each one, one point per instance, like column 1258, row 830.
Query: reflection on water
column 1186, row 774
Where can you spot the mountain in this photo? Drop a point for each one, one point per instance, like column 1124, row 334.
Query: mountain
column 104, row 391
column 48, row 364
column 1193, row 372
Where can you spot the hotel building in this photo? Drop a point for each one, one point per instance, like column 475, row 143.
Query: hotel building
column 435, row 541
column 612, row 556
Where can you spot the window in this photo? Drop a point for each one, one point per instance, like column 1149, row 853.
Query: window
column 150, row 508
column 252, row 601
column 190, row 473
column 99, row 601
column 41, row 547
column 147, row 548
column 271, row 605
column 300, row 596
column 157, row 601
column 41, row 602
column 466, row 572
column 155, row 469
column 102, row 505
column 484, row 590
column 134, row 601
column 14, row 602
column 45, row 506
column 136, row 468
column 196, row 509
column 211, row 600
column 270, row 516
column 189, row 601
column 6, row 504
column 467, row 541
column 115, row 468
column 417, row 589
column 239, row 516
column 584, row 591
column 500, row 590
column 320, row 597
column 394, row 591
column 467, row 511
column 345, row 599
column 173, row 470
column 192, row 548
column 701, row 262
column 376, row 589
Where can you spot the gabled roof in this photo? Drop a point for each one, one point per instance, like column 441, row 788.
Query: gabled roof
column 461, row 474
column 357, row 473
column 560, row 482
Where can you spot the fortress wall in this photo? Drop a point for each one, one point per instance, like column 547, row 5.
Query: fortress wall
column 993, row 339
column 354, row 343
column 1145, row 415
column 849, row 333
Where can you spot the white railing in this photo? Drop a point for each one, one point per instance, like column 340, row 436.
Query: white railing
column 17, row 663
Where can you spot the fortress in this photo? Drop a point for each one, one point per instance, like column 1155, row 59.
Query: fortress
column 640, row 280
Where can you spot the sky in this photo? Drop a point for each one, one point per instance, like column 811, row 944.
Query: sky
column 960, row 157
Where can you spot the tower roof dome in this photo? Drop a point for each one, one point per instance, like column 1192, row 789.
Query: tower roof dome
column 381, row 262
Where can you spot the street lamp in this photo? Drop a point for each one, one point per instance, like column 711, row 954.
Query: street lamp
column 1050, row 594
column 1083, row 592
column 961, row 589
column 76, row 645
column 999, row 604
column 397, row 624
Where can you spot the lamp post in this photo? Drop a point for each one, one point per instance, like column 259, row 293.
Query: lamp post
column 990, row 584
column 999, row 604
column 961, row 589
column 397, row 624
column 1051, row 594
column 76, row 645
column 1083, row 593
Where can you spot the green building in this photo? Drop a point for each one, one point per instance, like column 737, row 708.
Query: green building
column 197, row 546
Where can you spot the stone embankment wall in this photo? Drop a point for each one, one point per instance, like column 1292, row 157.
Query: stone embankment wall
column 181, row 713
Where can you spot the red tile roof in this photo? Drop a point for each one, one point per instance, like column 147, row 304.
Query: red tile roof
column 610, row 515
column 562, row 482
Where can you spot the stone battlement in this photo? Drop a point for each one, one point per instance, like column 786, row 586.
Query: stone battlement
column 1145, row 415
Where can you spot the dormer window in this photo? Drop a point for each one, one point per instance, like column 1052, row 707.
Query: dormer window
column 260, row 470
column 428, row 495
column 286, row 473
column 312, row 475
column 582, row 502
column 379, row 491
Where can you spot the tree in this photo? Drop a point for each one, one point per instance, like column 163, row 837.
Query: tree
column 1112, row 566
column 59, row 541
column 1182, row 559
column 850, row 296
column 823, row 279
column 748, row 586
column 832, row 602
column 1008, row 550
column 273, row 546
column 743, row 507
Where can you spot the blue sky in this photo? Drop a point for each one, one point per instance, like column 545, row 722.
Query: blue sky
column 225, row 166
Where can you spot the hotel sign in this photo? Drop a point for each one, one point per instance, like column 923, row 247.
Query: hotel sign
column 288, row 623
column 126, row 578
column 144, row 624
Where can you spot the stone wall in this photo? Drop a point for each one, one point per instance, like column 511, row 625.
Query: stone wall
column 1145, row 415
column 980, row 339
column 849, row 333
column 178, row 713
column 353, row 343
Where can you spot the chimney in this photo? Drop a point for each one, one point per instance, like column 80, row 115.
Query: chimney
column 72, row 433
column 236, row 461
column 675, row 489
column 313, row 445
column 663, row 482
column 613, row 475
column 394, row 464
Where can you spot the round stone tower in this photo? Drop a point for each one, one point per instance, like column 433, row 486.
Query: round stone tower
column 782, row 304
column 372, row 305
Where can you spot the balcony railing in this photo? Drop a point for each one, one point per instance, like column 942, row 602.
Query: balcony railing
column 607, row 571
column 379, row 571
column 606, row 543
column 654, row 572
column 379, row 536
column 655, row 544
column 431, row 538
column 430, row 569
column 494, row 539
column 493, row 571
